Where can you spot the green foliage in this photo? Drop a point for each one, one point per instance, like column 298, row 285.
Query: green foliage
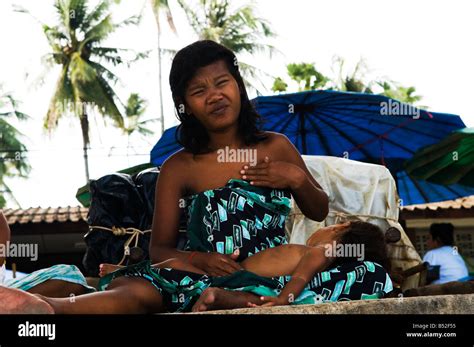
column 239, row 29
column 308, row 77
column 85, row 84
column 134, row 112
column 12, row 162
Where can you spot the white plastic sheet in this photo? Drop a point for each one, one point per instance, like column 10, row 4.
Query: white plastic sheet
column 357, row 191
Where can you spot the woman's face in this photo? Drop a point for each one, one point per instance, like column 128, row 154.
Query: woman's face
column 213, row 97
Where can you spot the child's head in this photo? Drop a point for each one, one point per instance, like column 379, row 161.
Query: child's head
column 373, row 239
column 355, row 234
column 205, row 77
column 441, row 234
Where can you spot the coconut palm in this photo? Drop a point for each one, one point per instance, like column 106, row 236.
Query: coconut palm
column 354, row 81
column 239, row 29
column 308, row 77
column 396, row 91
column 12, row 161
column 134, row 113
column 85, row 84
column 159, row 6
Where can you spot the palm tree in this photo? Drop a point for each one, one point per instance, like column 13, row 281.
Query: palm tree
column 396, row 91
column 309, row 78
column 12, row 162
column 305, row 75
column 84, row 84
column 240, row 30
column 353, row 82
column 158, row 6
column 134, row 112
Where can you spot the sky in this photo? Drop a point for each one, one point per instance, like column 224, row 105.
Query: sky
column 421, row 43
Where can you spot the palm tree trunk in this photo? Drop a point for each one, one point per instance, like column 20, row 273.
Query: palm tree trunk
column 85, row 142
column 156, row 12
column 162, row 116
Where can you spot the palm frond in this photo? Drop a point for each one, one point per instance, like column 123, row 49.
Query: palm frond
column 63, row 98
column 95, row 15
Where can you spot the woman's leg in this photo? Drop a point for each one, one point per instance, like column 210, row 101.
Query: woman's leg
column 221, row 299
column 57, row 289
column 124, row 296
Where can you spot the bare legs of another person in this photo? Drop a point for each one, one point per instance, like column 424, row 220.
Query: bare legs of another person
column 124, row 296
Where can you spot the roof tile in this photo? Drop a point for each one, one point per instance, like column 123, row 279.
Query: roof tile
column 46, row 215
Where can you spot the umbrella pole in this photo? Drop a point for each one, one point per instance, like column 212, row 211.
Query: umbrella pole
column 303, row 133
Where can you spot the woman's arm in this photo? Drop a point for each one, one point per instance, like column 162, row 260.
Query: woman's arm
column 170, row 188
column 287, row 170
column 307, row 192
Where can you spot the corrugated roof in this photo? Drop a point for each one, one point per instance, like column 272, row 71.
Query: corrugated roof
column 466, row 203
column 46, row 215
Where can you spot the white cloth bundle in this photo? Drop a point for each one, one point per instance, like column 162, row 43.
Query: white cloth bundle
column 357, row 191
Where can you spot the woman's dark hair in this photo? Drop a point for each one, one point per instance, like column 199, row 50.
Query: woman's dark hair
column 443, row 232
column 373, row 239
column 191, row 134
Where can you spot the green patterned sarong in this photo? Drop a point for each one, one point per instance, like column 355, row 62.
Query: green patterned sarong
column 251, row 219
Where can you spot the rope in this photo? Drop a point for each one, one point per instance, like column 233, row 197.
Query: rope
column 119, row 231
column 342, row 215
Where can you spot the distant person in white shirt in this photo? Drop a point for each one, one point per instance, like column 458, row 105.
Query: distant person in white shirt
column 443, row 253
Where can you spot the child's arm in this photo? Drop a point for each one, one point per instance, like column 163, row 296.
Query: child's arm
column 313, row 261
column 4, row 233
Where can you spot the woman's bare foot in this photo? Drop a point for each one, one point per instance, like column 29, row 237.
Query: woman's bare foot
column 218, row 299
column 20, row 302
column 105, row 269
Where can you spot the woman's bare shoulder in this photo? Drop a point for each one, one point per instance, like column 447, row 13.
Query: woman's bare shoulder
column 279, row 145
column 178, row 160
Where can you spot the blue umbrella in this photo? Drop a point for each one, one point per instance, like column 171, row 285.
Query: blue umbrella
column 365, row 127
column 414, row 191
column 165, row 147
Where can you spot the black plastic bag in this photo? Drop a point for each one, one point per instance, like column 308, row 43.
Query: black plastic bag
column 145, row 182
column 116, row 203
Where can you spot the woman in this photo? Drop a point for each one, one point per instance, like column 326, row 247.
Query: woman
column 233, row 205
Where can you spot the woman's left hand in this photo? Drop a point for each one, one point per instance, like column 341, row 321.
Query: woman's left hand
column 274, row 174
column 267, row 301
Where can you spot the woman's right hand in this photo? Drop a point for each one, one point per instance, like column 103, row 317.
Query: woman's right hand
column 217, row 264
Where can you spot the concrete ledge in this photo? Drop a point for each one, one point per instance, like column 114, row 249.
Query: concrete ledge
column 440, row 304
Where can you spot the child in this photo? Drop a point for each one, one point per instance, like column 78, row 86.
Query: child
column 302, row 262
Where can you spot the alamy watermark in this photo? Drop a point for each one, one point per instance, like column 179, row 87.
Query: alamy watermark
column 19, row 250
column 28, row 329
column 396, row 108
column 231, row 155
column 347, row 250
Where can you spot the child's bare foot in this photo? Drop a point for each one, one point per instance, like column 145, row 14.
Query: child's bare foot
column 105, row 269
column 20, row 302
column 217, row 298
